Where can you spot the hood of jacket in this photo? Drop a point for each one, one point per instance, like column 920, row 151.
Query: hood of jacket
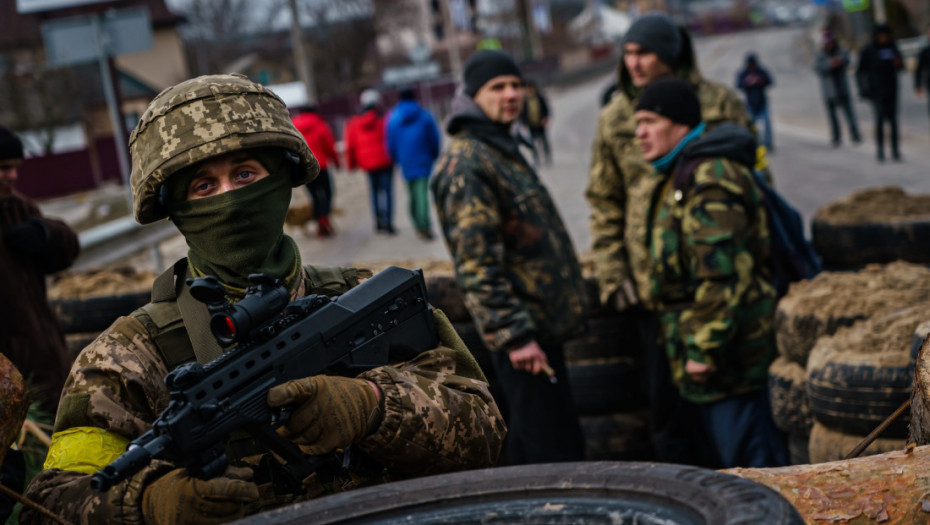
column 465, row 115
column 407, row 111
column 309, row 120
column 726, row 140
column 686, row 69
column 370, row 119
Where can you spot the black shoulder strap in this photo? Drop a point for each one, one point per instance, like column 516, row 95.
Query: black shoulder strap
column 180, row 323
column 685, row 174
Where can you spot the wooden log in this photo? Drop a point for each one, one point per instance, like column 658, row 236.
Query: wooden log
column 891, row 488
column 14, row 403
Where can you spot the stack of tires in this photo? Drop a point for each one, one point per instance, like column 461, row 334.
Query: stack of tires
column 845, row 358
column 87, row 303
column 604, row 369
column 83, row 319
column 873, row 225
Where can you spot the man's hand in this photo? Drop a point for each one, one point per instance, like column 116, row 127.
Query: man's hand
column 331, row 411
column 919, row 91
column 529, row 357
column 699, row 372
column 625, row 296
column 177, row 498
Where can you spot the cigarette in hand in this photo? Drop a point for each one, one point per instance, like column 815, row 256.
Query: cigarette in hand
column 550, row 373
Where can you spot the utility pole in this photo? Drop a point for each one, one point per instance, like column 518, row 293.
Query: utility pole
column 452, row 40
column 881, row 16
column 304, row 60
column 533, row 41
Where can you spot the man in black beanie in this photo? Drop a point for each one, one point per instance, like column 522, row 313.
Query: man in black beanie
column 514, row 262
column 619, row 189
column 32, row 247
column 30, row 336
column 709, row 249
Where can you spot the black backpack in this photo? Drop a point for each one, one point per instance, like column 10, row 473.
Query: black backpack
column 793, row 257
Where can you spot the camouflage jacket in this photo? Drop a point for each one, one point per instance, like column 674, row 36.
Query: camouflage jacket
column 709, row 247
column 512, row 254
column 620, row 183
column 438, row 416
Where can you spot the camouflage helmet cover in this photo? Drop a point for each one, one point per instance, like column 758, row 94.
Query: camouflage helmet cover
column 201, row 118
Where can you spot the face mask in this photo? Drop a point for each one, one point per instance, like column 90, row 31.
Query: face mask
column 240, row 232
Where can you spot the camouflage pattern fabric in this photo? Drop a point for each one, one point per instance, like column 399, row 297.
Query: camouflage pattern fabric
column 438, row 417
column 715, row 304
column 513, row 257
column 201, row 118
column 620, row 187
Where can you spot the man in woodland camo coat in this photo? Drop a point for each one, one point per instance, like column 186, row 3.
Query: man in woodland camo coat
column 709, row 247
column 619, row 190
column 219, row 156
column 513, row 260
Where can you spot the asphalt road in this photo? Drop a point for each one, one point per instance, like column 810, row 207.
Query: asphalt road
column 806, row 169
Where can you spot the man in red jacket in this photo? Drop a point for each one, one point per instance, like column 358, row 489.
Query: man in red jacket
column 32, row 246
column 319, row 138
column 366, row 148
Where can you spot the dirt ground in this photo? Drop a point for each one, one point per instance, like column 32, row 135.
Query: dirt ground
column 879, row 204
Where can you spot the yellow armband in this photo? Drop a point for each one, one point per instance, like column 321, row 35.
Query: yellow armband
column 84, row 449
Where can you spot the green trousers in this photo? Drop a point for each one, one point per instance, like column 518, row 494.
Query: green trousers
column 418, row 189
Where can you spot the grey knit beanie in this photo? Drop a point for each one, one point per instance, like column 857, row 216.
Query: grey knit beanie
column 657, row 33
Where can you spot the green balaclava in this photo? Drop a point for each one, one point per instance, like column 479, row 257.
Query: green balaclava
column 240, row 232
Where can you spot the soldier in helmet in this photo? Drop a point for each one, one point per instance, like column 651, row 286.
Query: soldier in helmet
column 218, row 156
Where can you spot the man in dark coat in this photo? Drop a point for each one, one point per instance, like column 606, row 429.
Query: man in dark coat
column 754, row 80
column 33, row 246
column 877, row 79
column 831, row 64
column 513, row 259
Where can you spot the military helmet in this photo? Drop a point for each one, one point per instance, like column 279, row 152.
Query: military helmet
column 201, row 118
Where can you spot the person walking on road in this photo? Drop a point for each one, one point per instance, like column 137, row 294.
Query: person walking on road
column 922, row 73
column 413, row 141
column 620, row 186
column 877, row 79
column 535, row 117
column 366, row 148
column 33, row 246
column 227, row 191
column 831, row 64
column 319, row 138
column 754, row 80
column 709, row 247
column 514, row 260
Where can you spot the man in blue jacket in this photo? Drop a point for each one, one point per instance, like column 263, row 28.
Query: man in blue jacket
column 413, row 142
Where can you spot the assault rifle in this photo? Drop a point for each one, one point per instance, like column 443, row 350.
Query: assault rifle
column 386, row 317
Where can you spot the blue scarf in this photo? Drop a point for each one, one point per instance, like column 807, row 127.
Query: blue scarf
column 663, row 164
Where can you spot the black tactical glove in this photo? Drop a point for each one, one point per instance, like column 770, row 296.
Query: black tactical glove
column 29, row 237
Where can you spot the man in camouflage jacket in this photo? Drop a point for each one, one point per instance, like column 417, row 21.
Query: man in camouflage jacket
column 618, row 192
column 219, row 156
column 709, row 247
column 513, row 260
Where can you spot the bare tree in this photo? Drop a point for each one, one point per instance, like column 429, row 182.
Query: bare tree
column 36, row 97
column 340, row 35
column 222, row 30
